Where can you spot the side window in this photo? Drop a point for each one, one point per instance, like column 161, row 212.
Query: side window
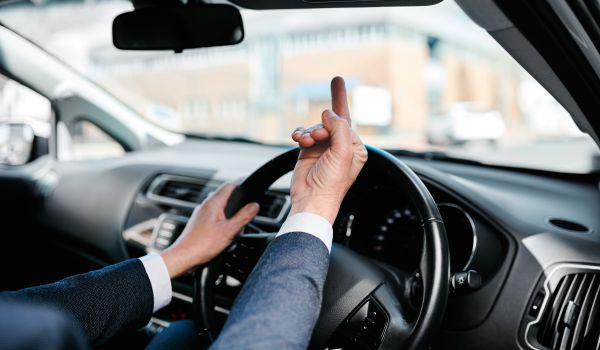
column 25, row 130
column 84, row 140
column 25, row 118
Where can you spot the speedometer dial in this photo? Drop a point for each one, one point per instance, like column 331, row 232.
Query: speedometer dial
column 391, row 236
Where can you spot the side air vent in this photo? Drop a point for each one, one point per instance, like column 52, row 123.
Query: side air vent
column 570, row 318
column 178, row 190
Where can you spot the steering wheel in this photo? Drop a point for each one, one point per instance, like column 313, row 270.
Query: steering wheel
column 363, row 306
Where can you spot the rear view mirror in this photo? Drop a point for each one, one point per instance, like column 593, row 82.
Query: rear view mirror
column 178, row 28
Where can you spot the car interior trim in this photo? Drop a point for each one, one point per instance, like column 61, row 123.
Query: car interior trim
column 135, row 234
column 182, row 297
column 473, row 228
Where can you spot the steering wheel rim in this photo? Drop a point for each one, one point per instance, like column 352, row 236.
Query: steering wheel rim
column 434, row 264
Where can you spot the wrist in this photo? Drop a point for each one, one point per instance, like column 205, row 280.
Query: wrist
column 177, row 261
column 328, row 209
column 172, row 262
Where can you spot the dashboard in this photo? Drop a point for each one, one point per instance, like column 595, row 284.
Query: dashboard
column 511, row 227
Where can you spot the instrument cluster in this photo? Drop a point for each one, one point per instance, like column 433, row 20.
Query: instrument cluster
column 383, row 225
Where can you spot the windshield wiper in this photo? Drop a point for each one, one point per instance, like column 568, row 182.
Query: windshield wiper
column 432, row 155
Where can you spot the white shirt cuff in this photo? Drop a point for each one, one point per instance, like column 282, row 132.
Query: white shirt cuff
column 310, row 223
column 159, row 279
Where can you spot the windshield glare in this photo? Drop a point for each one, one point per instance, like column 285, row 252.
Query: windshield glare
column 422, row 79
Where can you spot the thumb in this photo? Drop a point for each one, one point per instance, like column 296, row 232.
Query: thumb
column 243, row 216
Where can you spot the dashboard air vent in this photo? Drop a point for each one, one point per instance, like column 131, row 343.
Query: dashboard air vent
column 180, row 191
column 273, row 206
column 571, row 319
column 184, row 191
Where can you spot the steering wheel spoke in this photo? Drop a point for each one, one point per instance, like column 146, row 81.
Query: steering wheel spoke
column 378, row 322
column 362, row 307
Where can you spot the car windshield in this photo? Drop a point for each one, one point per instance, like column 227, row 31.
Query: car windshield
column 419, row 78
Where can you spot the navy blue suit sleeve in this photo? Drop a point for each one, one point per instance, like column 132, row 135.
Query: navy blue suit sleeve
column 103, row 302
column 281, row 300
